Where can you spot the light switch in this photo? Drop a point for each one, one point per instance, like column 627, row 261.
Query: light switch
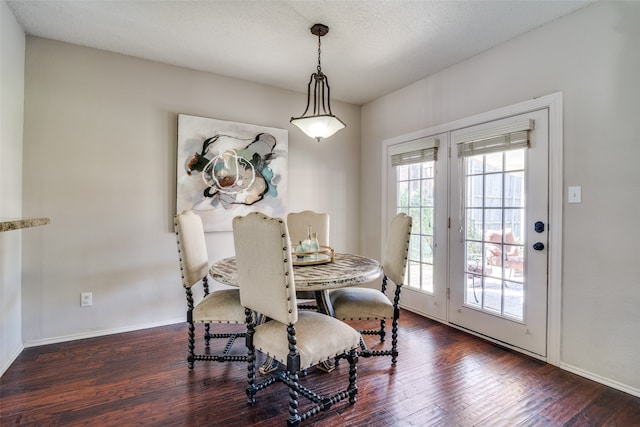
column 574, row 195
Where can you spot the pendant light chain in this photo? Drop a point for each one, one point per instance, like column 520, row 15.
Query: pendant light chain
column 319, row 67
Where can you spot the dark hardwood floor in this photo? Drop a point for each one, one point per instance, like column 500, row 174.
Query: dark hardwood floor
column 444, row 377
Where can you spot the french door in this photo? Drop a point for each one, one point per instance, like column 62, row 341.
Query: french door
column 498, row 239
column 478, row 250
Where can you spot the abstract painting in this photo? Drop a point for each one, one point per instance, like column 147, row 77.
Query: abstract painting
column 226, row 169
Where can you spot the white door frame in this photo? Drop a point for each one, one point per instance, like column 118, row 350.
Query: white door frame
column 554, row 103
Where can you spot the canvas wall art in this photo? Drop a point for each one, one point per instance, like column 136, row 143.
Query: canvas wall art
column 226, row 169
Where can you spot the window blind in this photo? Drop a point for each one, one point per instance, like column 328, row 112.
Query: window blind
column 418, row 151
column 501, row 138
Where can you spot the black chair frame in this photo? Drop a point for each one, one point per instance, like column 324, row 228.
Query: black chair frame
column 208, row 336
column 290, row 377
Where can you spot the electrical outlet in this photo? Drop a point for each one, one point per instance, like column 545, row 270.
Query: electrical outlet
column 86, row 299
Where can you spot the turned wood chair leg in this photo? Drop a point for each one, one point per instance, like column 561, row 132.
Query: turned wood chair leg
column 382, row 331
column 191, row 344
column 207, row 334
column 394, row 341
column 353, row 388
column 294, row 418
column 251, row 358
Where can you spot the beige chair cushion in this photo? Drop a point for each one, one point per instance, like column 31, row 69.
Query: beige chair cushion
column 361, row 304
column 222, row 306
column 337, row 338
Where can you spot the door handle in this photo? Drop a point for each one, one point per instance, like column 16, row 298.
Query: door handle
column 538, row 246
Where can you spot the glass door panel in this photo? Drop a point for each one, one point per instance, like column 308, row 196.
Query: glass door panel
column 494, row 239
column 415, row 184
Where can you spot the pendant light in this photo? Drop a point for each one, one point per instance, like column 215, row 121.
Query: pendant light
column 319, row 123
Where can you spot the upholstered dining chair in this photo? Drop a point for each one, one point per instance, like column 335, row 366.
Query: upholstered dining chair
column 296, row 339
column 298, row 224
column 219, row 306
column 371, row 304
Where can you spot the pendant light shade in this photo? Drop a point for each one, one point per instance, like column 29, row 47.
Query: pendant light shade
column 320, row 122
column 319, row 126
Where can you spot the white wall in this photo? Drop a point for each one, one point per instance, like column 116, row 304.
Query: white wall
column 100, row 160
column 593, row 57
column 12, row 41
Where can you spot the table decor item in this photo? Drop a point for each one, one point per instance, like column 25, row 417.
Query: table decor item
column 324, row 255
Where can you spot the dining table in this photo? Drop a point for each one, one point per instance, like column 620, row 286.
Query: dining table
column 344, row 270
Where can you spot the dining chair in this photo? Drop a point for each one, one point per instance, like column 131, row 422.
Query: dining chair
column 217, row 307
column 501, row 248
column 298, row 224
column 296, row 339
column 357, row 303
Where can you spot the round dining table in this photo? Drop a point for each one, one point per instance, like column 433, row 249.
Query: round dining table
column 343, row 271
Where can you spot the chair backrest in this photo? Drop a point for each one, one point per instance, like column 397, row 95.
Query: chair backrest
column 496, row 237
column 265, row 270
column 298, row 223
column 394, row 261
column 192, row 247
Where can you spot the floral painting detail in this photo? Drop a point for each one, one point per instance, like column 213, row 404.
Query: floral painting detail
column 226, row 169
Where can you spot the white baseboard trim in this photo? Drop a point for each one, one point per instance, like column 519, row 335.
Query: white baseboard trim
column 602, row 380
column 11, row 359
column 100, row 333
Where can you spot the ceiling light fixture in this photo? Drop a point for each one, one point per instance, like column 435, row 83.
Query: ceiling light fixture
column 322, row 123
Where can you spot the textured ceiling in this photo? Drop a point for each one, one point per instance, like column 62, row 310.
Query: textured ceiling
column 373, row 47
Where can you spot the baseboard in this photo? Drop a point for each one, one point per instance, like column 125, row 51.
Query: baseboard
column 11, row 359
column 602, row 380
column 100, row 333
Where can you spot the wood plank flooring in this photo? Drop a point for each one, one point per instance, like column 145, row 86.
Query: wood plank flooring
column 444, row 377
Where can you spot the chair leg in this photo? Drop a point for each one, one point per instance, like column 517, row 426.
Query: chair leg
column 251, row 358
column 394, row 325
column 207, row 334
column 251, row 377
column 394, row 340
column 191, row 344
column 294, row 418
column 192, row 329
column 353, row 374
column 382, row 332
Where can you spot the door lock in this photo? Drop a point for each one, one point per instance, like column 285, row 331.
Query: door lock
column 538, row 246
